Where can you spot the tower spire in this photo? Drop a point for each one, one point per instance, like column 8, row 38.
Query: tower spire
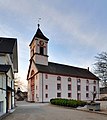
column 38, row 25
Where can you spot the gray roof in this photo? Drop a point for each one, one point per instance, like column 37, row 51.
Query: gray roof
column 7, row 45
column 60, row 69
column 39, row 34
column 5, row 68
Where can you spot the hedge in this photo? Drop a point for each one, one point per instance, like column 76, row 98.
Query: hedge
column 68, row 102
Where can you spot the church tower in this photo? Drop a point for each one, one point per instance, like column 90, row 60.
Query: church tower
column 39, row 48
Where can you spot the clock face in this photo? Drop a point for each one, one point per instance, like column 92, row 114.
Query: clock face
column 41, row 43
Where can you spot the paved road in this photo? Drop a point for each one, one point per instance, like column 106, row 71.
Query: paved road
column 35, row 111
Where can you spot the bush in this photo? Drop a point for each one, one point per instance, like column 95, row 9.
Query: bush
column 67, row 102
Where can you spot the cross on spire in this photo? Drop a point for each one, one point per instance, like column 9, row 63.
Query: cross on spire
column 39, row 22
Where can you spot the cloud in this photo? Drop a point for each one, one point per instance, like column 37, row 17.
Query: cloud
column 71, row 31
column 14, row 6
column 78, row 26
column 23, row 49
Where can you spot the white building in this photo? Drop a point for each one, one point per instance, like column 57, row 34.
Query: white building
column 8, row 67
column 48, row 80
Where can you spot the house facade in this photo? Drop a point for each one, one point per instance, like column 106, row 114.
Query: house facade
column 48, row 80
column 8, row 67
column 103, row 92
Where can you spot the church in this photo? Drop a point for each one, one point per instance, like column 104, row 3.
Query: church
column 47, row 80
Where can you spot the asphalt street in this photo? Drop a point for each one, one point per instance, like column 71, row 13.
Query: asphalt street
column 45, row 111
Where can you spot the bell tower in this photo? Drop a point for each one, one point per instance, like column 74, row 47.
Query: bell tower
column 39, row 48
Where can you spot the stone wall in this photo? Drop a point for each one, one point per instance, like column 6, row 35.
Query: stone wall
column 103, row 105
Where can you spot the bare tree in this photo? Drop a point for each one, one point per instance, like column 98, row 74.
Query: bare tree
column 100, row 67
column 20, row 84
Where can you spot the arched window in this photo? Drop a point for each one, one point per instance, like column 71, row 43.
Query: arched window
column 59, row 78
column 32, row 72
column 69, row 79
column 94, row 82
column 78, row 80
column 87, row 81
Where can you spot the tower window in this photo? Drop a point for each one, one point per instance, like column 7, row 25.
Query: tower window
column 41, row 50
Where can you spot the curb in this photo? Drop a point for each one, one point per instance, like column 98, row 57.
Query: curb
column 97, row 112
column 4, row 115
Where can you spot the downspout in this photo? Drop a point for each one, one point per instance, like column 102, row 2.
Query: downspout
column 6, row 93
column 42, row 88
column 11, row 96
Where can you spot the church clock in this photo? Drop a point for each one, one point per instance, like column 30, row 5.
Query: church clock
column 41, row 43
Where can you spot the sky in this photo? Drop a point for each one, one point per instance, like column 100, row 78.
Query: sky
column 77, row 29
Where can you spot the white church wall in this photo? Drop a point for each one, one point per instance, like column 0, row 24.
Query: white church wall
column 83, row 89
column 29, row 91
column 40, row 59
column 32, row 68
column 43, row 94
column 37, row 87
column 40, row 92
column 29, row 83
column 64, row 86
column 74, row 88
column 52, row 88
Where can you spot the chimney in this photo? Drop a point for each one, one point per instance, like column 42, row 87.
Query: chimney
column 88, row 68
